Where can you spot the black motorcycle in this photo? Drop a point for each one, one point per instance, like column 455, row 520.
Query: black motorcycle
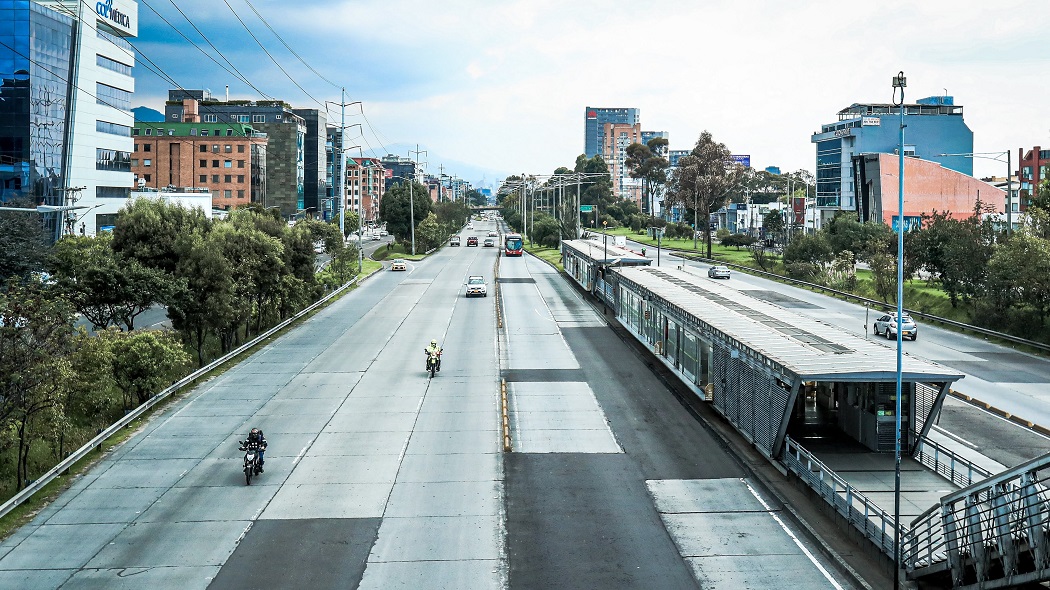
column 252, row 461
column 433, row 361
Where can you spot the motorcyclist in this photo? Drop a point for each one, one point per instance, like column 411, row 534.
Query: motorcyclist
column 256, row 438
column 435, row 351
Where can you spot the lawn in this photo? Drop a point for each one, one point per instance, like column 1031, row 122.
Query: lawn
column 396, row 250
column 549, row 255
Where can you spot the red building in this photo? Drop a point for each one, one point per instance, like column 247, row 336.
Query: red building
column 365, row 186
column 1033, row 169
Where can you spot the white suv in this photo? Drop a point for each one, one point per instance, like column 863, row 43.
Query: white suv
column 476, row 286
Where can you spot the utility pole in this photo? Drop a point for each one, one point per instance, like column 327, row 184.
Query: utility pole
column 411, row 200
column 341, row 163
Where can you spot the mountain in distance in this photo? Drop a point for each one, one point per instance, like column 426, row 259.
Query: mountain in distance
column 148, row 115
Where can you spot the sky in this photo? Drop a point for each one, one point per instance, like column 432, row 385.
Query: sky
column 494, row 87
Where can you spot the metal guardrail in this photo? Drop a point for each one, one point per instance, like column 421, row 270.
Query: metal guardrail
column 873, row 522
column 992, row 534
column 949, row 465
column 871, row 302
column 97, row 441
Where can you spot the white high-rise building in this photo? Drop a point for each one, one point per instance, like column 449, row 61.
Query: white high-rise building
column 100, row 150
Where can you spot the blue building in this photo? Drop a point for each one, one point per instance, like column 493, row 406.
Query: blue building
column 595, row 121
column 935, row 126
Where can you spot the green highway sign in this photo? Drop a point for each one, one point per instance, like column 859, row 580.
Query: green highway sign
column 586, row 208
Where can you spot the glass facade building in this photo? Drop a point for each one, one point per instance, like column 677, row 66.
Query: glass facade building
column 594, row 125
column 36, row 63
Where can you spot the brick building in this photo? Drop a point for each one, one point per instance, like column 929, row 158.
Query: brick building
column 227, row 158
column 1033, row 169
column 616, row 137
column 366, row 185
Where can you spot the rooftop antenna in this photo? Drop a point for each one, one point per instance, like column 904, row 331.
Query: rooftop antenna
column 227, row 93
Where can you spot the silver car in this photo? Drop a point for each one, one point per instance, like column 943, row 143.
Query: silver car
column 718, row 272
column 886, row 325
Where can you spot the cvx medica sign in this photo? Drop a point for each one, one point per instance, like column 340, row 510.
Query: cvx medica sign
column 117, row 17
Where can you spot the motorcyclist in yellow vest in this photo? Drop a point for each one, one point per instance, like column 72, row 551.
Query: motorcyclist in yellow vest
column 434, row 349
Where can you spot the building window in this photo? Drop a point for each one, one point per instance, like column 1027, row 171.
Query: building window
column 113, row 128
column 204, row 133
column 215, row 178
column 204, row 148
column 146, row 177
column 229, row 178
column 147, row 147
column 203, row 179
column 112, row 96
column 227, row 164
column 134, row 162
column 147, row 162
column 240, row 178
column 258, row 118
column 174, row 116
column 203, row 163
column 214, row 163
column 227, row 148
column 215, row 148
column 149, row 131
column 243, row 119
column 218, row 133
column 229, row 132
column 240, row 194
column 240, row 148
column 210, row 119
column 171, row 132
column 135, row 131
column 240, row 163
column 227, row 194
column 111, row 192
column 112, row 160
column 277, row 116
column 193, row 131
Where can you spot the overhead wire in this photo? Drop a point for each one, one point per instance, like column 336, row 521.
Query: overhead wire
column 286, row 46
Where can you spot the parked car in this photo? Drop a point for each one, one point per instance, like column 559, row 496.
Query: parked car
column 399, row 264
column 490, row 243
column 887, row 326
column 493, row 234
column 454, row 241
column 476, row 286
column 718, row 272
column 472, row 241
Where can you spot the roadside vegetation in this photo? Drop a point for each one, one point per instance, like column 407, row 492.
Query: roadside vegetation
column 222, row 282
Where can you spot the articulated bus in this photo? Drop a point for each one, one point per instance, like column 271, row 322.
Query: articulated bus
column 512, row 245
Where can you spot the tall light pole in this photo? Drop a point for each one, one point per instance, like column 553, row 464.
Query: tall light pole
column 997, row 156
column 899, row 82
column 411, row 198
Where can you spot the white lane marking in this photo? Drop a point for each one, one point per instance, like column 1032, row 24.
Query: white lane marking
column 299, row 457
column 955, row 437
column 812, row 559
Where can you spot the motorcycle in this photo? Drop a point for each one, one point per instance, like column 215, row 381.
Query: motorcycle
column 252, row 462
column 433, row 361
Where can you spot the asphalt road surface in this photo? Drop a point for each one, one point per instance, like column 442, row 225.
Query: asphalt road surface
column 379, row 477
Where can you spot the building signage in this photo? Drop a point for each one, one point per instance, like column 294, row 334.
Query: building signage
column 743, row 160
column 842, row 132
column 870, row 122
column 120, row 18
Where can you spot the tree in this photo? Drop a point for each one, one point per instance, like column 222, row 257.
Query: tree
column 647, row 163
column 23, row 242
column 395, row 211
column 428, row 233
column 702, row 181
column 807, row 257
column 104, row 286
column 203, row 303
column 148, row 231
column 774, row 227
column 144, row 362
column 475, row 198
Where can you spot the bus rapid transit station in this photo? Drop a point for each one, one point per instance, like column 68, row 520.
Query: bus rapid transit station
column 819, row 403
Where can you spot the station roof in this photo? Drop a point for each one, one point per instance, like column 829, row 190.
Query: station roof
column 809, row 348
column 603, row 253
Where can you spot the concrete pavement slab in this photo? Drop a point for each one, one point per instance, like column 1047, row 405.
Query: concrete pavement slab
column 34, row 579
column 161, row 446
column 565, row 441
column 465, row 574
column 488, row 419
column 326, row 383
column 454, row 467
column 460, row 403
column 386, row 403
column 306, row 405
column 242, row 503
column 122, row 578
column 443, row 443
column 152, row 473
column 193, row 426
column 347, row 421
column 756, row 572
column 359, row 443
column 313, row 469
column 437, row 539
column 273, row 424
column 103, row 505
column 176, row 544
column 333, row 500
column 48, row 547
column 740, row 533
column 702, row 495
column 450, row 498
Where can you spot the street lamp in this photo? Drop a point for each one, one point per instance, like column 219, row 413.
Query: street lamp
column 997, row 156
column 899, row 81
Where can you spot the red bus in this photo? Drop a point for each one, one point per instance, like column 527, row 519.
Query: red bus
column 512, row 245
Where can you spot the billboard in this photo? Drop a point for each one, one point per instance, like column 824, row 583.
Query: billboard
column 743, row 160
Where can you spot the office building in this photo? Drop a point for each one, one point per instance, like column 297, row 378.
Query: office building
column 65, row 117
column 617, row 137
column 935, row 126
column 314, row 158
column 399, row 168
column 1033, row 170
column 648, row 136
column 227, row 159
column 286, row 133
column 594, row 126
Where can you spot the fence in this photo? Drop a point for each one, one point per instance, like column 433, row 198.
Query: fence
column 949, row 465
column 83, row 451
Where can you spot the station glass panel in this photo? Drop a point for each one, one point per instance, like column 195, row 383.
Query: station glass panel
column 672, row 343
column 689, row 355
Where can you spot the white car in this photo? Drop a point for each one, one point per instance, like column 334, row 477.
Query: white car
column 476, row 286
column 886, row 325
column 718, row 272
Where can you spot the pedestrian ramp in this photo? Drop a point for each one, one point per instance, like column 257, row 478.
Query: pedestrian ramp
column 732, row 538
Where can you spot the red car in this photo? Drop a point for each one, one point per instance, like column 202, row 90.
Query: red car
column 472, row 241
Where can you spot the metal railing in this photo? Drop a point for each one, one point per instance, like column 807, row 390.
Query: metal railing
column 97, row 441
column 875, row 523
column 871, row 302
column 948, row 464
column 993, row 534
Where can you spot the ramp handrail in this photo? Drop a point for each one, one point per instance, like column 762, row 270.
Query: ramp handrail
column 948, row 464
column 875, row 523
column 990, row 534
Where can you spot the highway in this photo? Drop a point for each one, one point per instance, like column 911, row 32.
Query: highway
column 379, row 477
column 1013, row 381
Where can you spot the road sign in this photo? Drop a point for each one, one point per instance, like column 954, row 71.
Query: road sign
column 586, row 208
